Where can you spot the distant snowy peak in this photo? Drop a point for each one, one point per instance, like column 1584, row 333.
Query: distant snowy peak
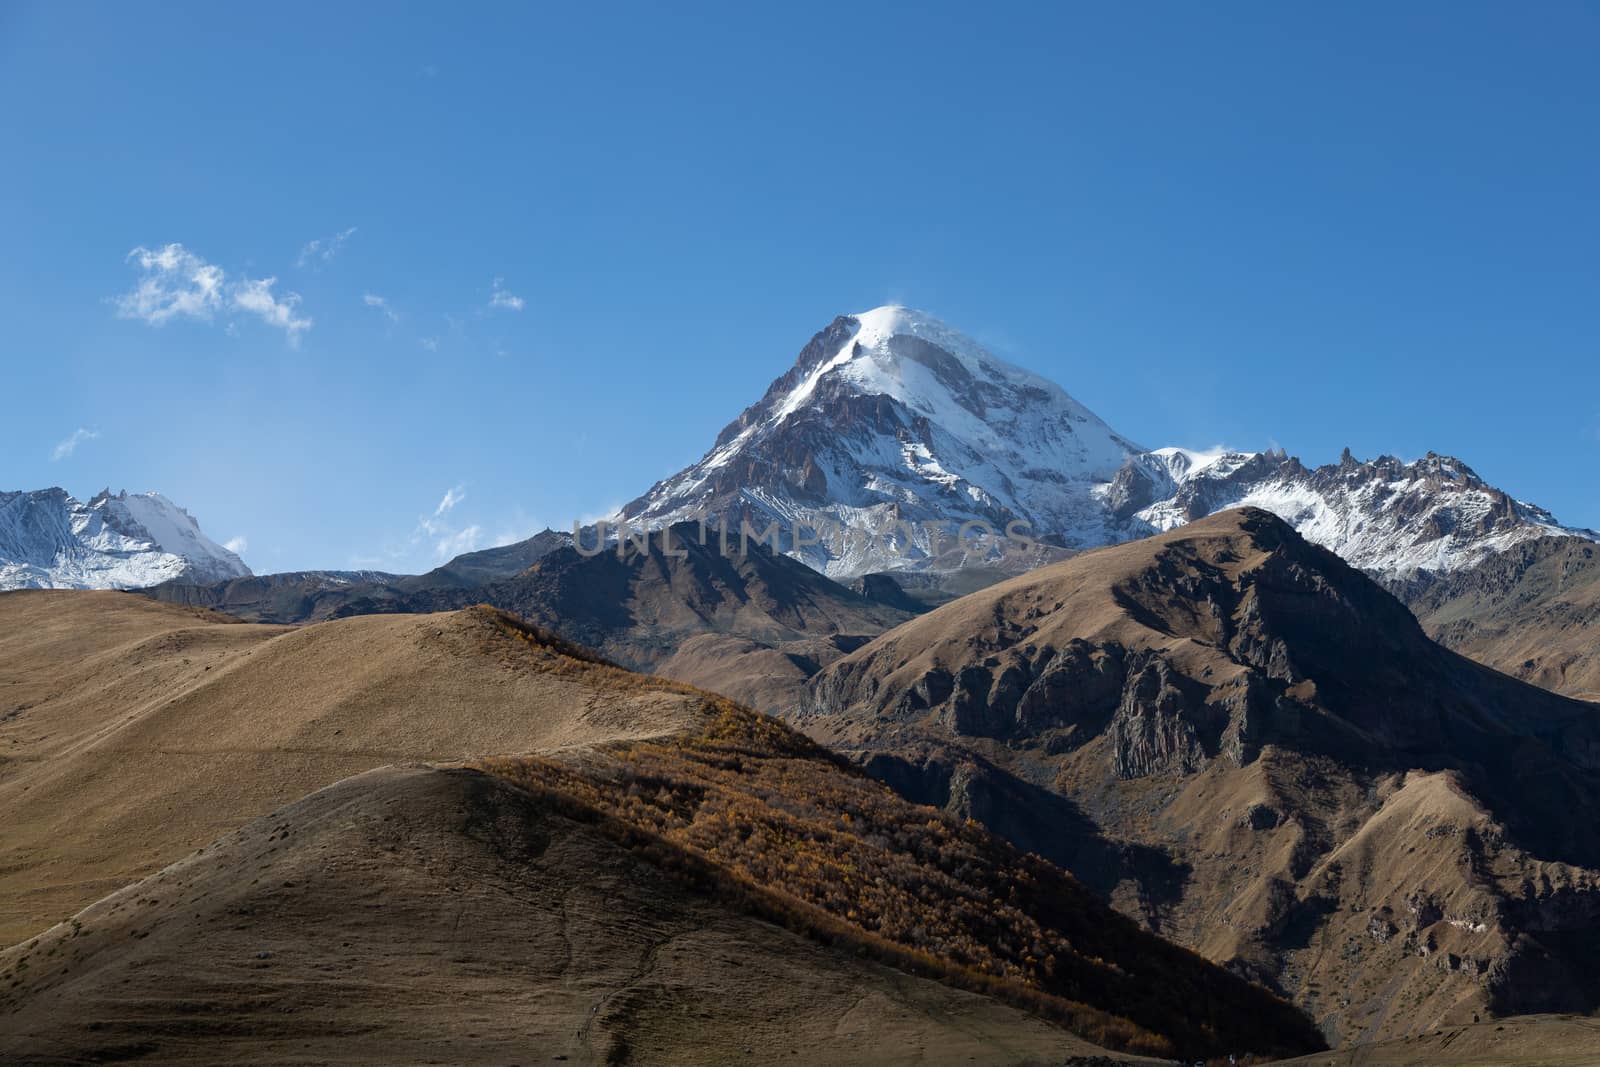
column 50, row 540
column 1384, row 515
column 890, row 415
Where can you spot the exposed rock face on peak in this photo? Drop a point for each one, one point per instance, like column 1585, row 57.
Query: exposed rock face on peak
column 1386, row 516
column 890, row 416
column 49, row 540
column 1268, row 719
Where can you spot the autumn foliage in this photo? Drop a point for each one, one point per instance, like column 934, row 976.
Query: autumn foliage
column 759, row 815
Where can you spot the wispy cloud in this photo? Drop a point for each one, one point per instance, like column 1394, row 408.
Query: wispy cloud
column 256, row 297
column 447, row 539
column 500, row 298
column 372, row 300
column 70, row 445
column 595, row 516
column 452, row 497
column 237, row 545
column 430, row 343
column 518, row 528
column 176, row 283
column 458, row 542
column 322, row 250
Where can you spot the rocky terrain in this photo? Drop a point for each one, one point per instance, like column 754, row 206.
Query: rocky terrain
column 1251, row 746
column 50, row 540
column 1394, row 519
column 1532, row 611
column 611, row 888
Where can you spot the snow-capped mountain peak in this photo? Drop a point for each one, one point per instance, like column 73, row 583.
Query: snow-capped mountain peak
column 50, row 540
column 890, row 415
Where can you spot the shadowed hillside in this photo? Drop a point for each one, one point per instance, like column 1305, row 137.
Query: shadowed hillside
column 653, row 870
column 754, row 811
column 418, row 915
column 1258, row 752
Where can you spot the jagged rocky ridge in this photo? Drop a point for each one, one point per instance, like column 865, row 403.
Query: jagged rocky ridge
column 1254, row 748
column 891, row 416
column 1386, row 516
column 50, row 540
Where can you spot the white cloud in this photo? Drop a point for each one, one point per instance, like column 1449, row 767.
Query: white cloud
column 237, row 545
column 435, row 533
column 70, row 445
column 452, row 497
column 500, row 298
column 372, row 300
column 456, row 543
column 323, row 249
column 176, row 283
column 430, row 343
column 256, row 297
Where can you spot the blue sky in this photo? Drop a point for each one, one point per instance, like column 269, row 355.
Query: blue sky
column 1370, row 225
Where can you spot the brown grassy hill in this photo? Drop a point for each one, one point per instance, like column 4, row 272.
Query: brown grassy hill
column 643, row 609
column 401, row 912
column 753, row 809
column 1526, row 1041
column 132, row 732
column 1256, row 750
column 1532, row 612
column 419, row 915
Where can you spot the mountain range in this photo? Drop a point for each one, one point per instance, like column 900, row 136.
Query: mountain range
column 1228, row 755
column 891, row 416
column 1249, row 743
column 889, row 433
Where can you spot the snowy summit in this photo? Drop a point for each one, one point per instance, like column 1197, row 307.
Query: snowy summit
column 50, row 540
column 890, row 416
